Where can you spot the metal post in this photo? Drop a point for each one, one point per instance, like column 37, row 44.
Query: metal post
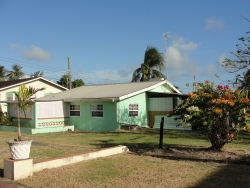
column 161, row 133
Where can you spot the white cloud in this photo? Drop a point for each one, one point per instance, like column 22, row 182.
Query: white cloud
column 32, row 53
column 36, row 53
column 15, row 46
column 178, row 65
column 214, row 23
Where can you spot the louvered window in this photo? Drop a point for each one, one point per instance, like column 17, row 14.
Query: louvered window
column 10, row 96
column 74, row 110
column 97, row 110
column 133, row 110
column 52, row 109
column 14, row 113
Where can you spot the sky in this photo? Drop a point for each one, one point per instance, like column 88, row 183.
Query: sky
column 106, row 40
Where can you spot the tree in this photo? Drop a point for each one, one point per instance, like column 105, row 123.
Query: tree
column 151, row 67
column 37, row 74
column 64, row 81
column 218, row 111
column 2, row 73
column 244, row 82
column 242, row 55
column 16, row 73
column 77, row 83
column 23, row 96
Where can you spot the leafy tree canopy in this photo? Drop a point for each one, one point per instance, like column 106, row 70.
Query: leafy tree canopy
column 64, row 81
column 77, row 83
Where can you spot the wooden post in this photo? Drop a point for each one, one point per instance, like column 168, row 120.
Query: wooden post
column 161, row 132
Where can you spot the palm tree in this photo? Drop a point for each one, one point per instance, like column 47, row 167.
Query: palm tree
column 2, row 73
column 37, row 74
column 16, row 73
column 24, row 101
column 151, row 67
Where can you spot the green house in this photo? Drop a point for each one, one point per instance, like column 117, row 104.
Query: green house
column 101, row 108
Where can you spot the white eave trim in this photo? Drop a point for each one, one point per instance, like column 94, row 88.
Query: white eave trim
column 173, row 87
column 28, row 81
column 141, row 91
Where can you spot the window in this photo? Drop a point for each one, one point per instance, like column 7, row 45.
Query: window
column 133, row 110
column 74, row 110
column 10, row 96
column 97, row 110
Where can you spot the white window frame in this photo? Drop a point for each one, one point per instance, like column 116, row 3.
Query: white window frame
column 133, row 110
column 97, row 110
column 74, row 108
column 10, row 97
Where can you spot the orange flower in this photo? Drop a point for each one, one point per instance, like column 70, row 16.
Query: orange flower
column 231, row 103
column 218, row 111
column 245, row 100
column 207, row 82
column 224, row 101
column 237, row 90
column 194, row 95
column 206, row 95
column 189, row 94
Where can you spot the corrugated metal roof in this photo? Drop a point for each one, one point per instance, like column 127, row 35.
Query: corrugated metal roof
column 108, row 92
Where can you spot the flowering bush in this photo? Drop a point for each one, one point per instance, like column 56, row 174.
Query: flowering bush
column 217, row 110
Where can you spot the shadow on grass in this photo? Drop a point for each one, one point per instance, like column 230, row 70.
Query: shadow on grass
column 228, row 175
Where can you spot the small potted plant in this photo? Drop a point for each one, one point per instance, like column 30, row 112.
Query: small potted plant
column 20, row 149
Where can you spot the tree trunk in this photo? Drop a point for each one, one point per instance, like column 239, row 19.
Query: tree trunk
column 18, row 125
column 219, row 135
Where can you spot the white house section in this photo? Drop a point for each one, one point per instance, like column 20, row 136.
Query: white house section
column 52, row 109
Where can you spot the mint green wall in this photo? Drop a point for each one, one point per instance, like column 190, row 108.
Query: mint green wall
column 123, row 110
column 23, row 122
column 162, row 88
column 88, row 123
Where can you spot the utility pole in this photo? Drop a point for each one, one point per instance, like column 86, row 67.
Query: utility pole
column 69, row 74
column 194, row 85
column 166, row 36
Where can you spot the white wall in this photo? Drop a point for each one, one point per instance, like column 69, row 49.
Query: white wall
column 49, row 88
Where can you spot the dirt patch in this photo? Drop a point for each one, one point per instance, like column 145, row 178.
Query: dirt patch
column 202, row 154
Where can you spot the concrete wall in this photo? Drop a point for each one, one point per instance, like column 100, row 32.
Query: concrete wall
column 20, row 169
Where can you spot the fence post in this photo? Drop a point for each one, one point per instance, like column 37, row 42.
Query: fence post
column 161, row 132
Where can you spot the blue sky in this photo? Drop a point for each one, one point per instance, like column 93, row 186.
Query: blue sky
column 106, row 40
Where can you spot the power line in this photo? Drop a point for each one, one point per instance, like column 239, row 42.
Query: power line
column 55, row 70
column 13, row 61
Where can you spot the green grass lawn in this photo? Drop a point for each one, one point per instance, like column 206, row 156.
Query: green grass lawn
column 51, row 145
column 128, row 170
